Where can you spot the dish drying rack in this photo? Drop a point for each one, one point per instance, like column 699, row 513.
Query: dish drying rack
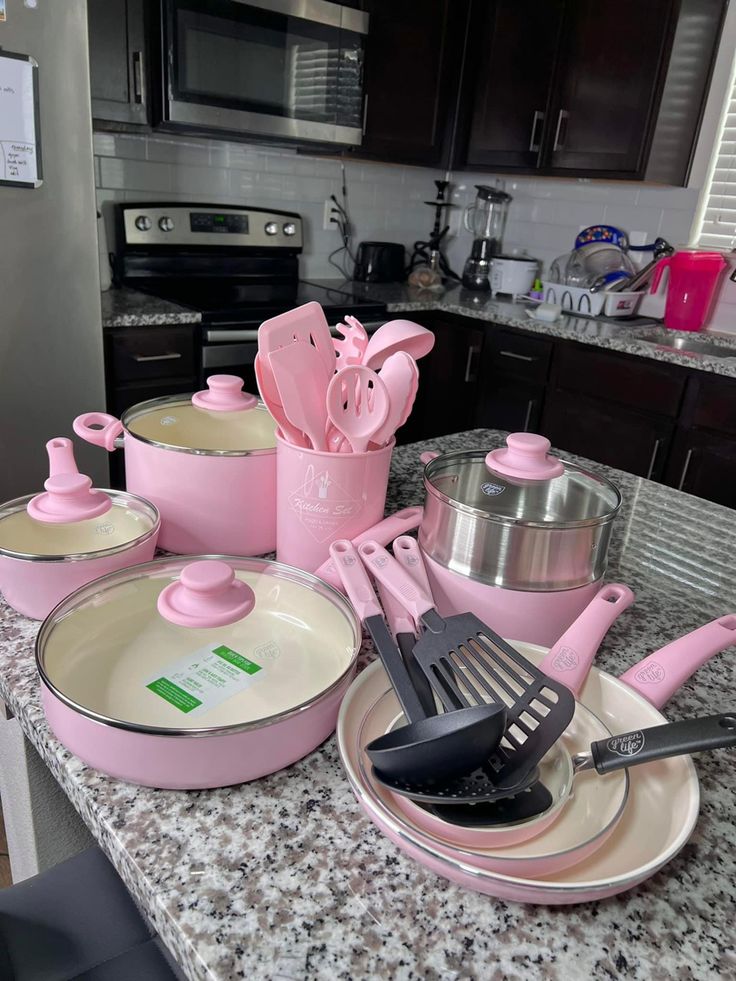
column 575, row 299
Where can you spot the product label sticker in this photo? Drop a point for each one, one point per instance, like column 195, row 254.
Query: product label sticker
column 198, row 682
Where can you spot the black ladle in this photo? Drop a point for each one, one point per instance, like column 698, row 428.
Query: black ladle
column 430, row 748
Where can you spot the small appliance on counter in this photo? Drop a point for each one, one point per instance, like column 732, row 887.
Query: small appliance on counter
column 513, row 275
column 486, row 219
column 379, row 262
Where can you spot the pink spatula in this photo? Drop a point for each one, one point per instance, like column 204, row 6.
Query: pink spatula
column 306, row 323
column 299, row 374
column 357, row 405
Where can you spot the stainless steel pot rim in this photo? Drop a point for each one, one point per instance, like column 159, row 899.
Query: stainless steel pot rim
column 596, row 521
column 135, row 572
column 142, row 408
column 124, row 497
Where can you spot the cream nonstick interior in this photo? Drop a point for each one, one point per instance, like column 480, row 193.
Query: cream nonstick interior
column 183, row 425
column 656, row 823
column 102, row 654
column 124, row 523
column 587, row 813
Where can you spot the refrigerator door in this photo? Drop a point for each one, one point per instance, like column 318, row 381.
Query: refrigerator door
column 51, row 365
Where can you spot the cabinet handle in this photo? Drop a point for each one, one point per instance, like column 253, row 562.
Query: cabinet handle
column 537, row 118
column 138, row 83
column 683, row 475
column 173, row 356
column 365, row 112
column 470, row 377
column 528, row 417
column 650, row 471
column 562, row 117
column 516, row 357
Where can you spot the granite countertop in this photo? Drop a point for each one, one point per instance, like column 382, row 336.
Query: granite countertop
column 615, row 336
column 129, row 308
column 286, row 877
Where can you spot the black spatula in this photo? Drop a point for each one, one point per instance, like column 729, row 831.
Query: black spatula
column 467, row 663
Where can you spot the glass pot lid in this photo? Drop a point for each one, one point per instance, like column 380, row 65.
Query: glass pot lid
column 522, row 484
column 189, row 646
column 71, row 519
column 220, row 420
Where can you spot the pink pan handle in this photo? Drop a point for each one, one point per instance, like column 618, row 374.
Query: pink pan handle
column 428, row 456
column 570, row 659
column 355, row 579
column 527, row 457
column 105, row 436
column 207, row 594
column 384, row 532
column 398, row 619
column 659, row 676
column 61, row 456
column 224, row 394
column 395, row 578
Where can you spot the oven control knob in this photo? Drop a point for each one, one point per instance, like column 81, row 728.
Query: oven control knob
column 271, row 228
column 166, row 223
column 290, row 228
column 143, row 223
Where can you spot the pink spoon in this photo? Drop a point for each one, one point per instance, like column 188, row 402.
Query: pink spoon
column 397, row 335
column 400, row 375
column 357, row 405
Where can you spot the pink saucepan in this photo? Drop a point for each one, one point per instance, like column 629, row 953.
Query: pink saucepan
column 54, row 542
column 207, row 461
column 193, row 673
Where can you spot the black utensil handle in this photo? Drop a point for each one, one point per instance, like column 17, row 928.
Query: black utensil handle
column 660, row 742
column 395, row 668
column 422, row 687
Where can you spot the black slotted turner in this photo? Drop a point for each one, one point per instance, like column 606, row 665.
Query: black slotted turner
column 467, row 663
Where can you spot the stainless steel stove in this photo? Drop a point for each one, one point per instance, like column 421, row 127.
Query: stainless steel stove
column 236, row 266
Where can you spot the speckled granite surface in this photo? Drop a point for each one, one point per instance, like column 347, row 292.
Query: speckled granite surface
column 629, row 339
column 129, row 308
column 287, row 878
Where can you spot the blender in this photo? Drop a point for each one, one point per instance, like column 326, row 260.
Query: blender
column 486, row 219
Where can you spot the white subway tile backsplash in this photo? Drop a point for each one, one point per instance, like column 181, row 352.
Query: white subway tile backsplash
column 630, row 217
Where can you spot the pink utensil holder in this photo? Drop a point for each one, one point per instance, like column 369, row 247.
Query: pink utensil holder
column 321, row 497
column 693, row 279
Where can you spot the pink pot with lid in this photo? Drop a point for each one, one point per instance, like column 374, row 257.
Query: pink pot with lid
column 54, row 542
column 197, row 672
column 207, row 461
column 516, row 535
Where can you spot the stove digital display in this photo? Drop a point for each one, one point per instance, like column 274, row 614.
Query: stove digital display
column 209, row 221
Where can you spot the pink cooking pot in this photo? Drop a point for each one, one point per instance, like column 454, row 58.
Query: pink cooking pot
column 193, row 673
column 53, row 543
column 207, row 461
column 516, row 536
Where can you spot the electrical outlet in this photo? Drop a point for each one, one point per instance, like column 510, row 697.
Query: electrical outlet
column 329, row 213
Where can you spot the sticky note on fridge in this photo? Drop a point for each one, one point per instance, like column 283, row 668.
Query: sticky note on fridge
column 20, row 141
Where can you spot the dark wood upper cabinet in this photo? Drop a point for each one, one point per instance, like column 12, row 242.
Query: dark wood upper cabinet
column 412, row 67
column 608, row 85
column 589, row 88
column 118, row 60
column 510, row 90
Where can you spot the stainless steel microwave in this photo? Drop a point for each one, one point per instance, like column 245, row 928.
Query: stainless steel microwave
column 286, row 69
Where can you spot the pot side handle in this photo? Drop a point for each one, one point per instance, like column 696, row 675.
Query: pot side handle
column 660, row 674
column 109, row 429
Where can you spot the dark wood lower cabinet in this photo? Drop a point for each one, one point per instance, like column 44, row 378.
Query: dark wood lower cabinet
column 704, row 464
column 448, row 383
column 618, row 437
column 509, row 403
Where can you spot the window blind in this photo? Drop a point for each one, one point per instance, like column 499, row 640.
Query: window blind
column 718, row 229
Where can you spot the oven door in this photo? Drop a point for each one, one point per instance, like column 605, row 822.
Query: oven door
column 288, row 69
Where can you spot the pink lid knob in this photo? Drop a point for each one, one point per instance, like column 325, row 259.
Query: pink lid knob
column 526, row 456
column 207, row 594
column 69, row 494
column 224, row 393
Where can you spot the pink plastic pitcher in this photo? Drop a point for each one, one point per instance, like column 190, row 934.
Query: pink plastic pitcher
column 693, row 278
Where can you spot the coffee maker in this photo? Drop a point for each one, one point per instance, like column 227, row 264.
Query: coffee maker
column 486, row 219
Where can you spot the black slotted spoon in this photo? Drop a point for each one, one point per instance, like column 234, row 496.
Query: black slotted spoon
column 467, row 663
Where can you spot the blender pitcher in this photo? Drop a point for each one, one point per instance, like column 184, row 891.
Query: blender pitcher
column 486, row 219
column 693, row 278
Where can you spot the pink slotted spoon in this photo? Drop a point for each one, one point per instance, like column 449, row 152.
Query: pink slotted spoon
column 350, row 347
column 357, row 404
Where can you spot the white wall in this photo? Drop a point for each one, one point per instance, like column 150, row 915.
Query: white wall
column 386, row 201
